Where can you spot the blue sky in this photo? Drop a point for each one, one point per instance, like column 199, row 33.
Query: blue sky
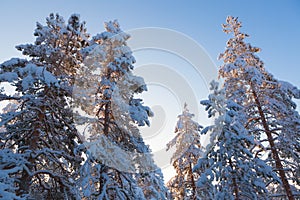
column 274, row 26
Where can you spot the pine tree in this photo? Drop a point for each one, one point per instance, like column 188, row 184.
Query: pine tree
column 228, row 170
column 10, row 163
column 188, row 150
column 268, row 103
column 118, row 161
column 40, row 130
column 58, row 45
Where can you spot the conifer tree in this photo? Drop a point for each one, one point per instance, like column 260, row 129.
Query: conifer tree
column 40, row 129
column 119, row 165
column 10, row 164
column 268, row 103
column 58, row 45
column 228, row 170
column 188, row 150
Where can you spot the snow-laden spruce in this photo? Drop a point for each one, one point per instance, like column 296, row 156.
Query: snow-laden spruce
column 118, row 165
column 187, row 151
column 58, row 44
column 228, row 170
column 38, row 131
column 10, row 164
column 271, row 116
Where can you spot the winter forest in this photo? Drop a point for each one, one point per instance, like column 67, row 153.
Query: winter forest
column 71, row 115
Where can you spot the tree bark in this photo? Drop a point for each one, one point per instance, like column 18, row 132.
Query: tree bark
column 25, row 179
column 192, row 181
column 235, row 186
column 275, row 154
column 106, row 119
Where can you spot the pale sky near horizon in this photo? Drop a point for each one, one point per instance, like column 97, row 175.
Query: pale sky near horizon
column 274, row 26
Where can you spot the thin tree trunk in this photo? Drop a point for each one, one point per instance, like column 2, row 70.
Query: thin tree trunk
column 275, row 155
column 106, row 119
column 235, row 186
column 25, row 179
column 192, row 182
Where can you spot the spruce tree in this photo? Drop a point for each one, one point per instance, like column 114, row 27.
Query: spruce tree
column 188, row 150
column 40, row 129
column 119, row 164
column 268, row 103
column 58, row 45
column 228, row 170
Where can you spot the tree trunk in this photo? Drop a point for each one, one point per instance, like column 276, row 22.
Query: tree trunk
column 192, row 182
column 106, row 119
column 25, row 179
column 235, row 186
column 274, row 151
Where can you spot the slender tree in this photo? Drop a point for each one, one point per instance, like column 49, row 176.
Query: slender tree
column 120, row 164
column 188, row 150
column 228, row 165
column 268, row 103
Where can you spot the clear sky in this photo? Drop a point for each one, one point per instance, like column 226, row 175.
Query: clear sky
column 274, row 26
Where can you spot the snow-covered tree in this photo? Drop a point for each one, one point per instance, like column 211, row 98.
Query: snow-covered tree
column 268, row 103
column 40, row 129
column 10, row 164
column 187, row 151
column 228, row 170
column 119, row 165
column 58, row 45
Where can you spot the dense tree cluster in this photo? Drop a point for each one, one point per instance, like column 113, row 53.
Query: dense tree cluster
column 43, row 154
column 255, row 139
column 70, row 117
